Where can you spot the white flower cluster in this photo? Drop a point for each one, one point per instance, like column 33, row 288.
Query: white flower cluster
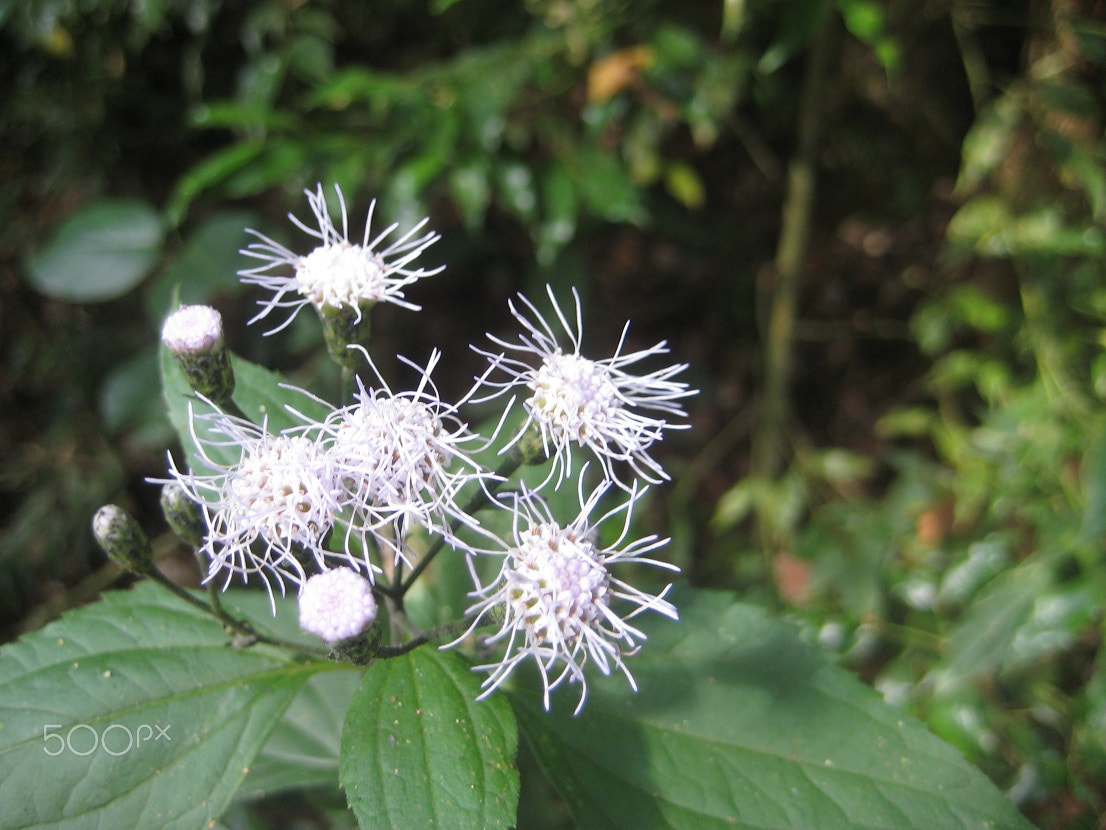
column 330, row 506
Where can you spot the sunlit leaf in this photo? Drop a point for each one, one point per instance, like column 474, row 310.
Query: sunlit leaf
column 740, row 724
column 133, row 712
column 684, row 184
column 419, row 751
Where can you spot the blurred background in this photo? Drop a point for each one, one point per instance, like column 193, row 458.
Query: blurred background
column 874, row 230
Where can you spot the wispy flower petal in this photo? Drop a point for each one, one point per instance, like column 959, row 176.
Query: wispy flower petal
column 571, row 400
column 338, row 273
column 559, row 603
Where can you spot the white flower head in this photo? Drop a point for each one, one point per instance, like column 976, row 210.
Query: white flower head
column 277, row 502
column 559, row 601
column 572, row 400
column 338, row 273
column 401, row 460
column 192, row 328
column 337, row 604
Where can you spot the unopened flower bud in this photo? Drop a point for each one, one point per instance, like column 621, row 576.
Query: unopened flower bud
column 121, row 538
column 184, row 515
column 194, row 334
column 337, row 605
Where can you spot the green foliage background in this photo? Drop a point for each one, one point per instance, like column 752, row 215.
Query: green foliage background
column 934, row 513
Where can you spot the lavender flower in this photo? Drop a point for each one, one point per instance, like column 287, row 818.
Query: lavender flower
column 337, row 604
column 572, row 400
column 338, row 274
column 401, row 460
column 559, row 601
column 278, row 501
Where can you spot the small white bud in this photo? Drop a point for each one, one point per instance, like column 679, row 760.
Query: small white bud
column 192, row 328
column 194, row 334
column 337, row 604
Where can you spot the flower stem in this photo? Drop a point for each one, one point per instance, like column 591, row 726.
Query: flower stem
column 445, row 631
column 232, row 625
column 479, row 500
column 229, row 407
column 345, row 384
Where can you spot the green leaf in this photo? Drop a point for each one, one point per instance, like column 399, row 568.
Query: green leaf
column 740, row 724
column 468, row 184
column 133, row 712
column 987, row 226
column 514, row 185
column 684, row 184
column 864, row 18
column 99, row 253
column 988, row 142
column 559, row 213
column 304, row 747
column 206, row 266
column 257, row 392
column 302, row 750
column 213, row 170
column 604, row 186
column 129, row 401
column 419, row 751
column 983, row 641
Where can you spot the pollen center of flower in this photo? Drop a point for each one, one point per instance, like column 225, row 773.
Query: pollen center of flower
column 341, row 275
column 280, row 488
column 573, row 395
column 389, row 450
column 557, row 584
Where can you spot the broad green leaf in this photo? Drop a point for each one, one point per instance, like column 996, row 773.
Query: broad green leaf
column 256, row 390
column 739, row 724
column 303, row 749
column 206, row 266
column 99, row 253
column 419, row 751
column 134, row 712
